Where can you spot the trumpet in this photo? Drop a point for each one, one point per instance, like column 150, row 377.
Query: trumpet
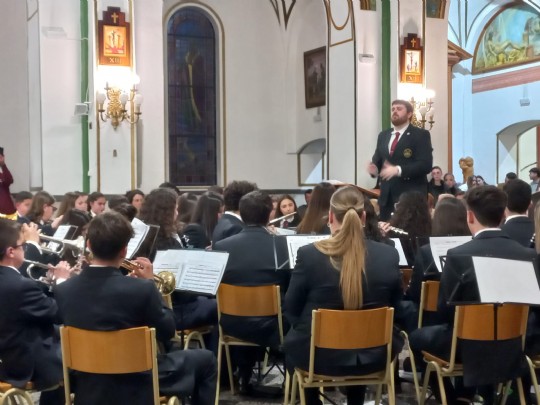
column 37, row 265
column 77, row 245
column 165, row 280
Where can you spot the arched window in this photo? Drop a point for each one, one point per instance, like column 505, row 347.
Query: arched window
column 191, row 57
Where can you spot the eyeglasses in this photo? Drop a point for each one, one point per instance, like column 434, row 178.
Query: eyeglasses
column 18, row 246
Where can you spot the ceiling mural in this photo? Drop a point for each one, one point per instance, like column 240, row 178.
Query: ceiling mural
column 511, row 37
column 283, row 10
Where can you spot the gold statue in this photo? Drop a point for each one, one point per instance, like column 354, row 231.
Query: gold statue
column 467, row 167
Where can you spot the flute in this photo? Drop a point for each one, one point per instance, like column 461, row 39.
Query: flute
column 280, row 218
column 395, row 230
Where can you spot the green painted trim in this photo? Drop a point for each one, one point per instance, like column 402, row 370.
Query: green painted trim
column 385, row 65
column 84, row 96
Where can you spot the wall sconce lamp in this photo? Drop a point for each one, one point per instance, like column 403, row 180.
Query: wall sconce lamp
column 116, row 107
column 423, row 111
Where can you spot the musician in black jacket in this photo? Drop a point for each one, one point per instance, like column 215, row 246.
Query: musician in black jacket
column 256, row 257
column 517, row 224
column 346, row 271
column 230, row 222
column 485, row 211
column 101, row 298
column 29, row 345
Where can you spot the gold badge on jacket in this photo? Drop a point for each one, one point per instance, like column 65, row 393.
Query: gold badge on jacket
column 407, row 153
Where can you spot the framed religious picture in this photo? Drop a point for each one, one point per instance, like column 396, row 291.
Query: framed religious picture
column 114, row 38
column 411, row 60
column 315, row 77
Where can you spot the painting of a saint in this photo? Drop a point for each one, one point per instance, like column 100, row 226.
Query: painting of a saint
column 315, row 77
column 512, row 37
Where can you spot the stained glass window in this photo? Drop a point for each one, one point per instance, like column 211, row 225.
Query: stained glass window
column 191, row 50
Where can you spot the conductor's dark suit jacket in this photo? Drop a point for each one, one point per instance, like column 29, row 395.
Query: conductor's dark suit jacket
column 29, row 346
column 520, row 229
column 101, row 298
column 413, row 153
column 315, row 285
column 254, row 256
column 227, row 225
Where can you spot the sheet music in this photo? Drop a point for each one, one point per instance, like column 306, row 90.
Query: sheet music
column 441, row 244
column 194, row 270
column 140, row 229
column 399, row 247
column 60, row 233
column 295, row 242
column 504, row 280
column 285, row 231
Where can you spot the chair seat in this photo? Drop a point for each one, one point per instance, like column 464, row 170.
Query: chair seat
column 232, row 340
column 431, row 357
column 4, row 386
column 321, row 377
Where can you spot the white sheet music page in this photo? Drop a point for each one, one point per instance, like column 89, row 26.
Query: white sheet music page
column 285, row 231
column 60, row 233
column 441, row 244
column 401, row 252
column 504, row 280
column 140, row 229
column 295, row 242
column 202, row 271
column 194, row 270
column 167, row 260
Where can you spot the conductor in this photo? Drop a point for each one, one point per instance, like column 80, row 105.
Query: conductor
column 402, row 159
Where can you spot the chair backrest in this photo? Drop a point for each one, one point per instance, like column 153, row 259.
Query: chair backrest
column 359, row 329
column 110, row 352
column 250, row 302
column 428, row 299
column 477, row 322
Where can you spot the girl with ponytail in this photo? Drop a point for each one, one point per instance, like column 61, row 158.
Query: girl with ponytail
column 346, row 271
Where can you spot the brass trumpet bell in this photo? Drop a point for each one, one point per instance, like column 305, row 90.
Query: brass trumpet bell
column 165, row 282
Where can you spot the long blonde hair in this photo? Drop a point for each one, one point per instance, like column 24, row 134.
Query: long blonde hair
column 347, row 248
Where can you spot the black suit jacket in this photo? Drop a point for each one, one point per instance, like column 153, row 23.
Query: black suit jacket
column 458, row 282
column 315, row 285
column 415, row 156
column 520, row 229
column 227, row 225
column 29, row 347
column 254, row 255
column 101, row 298
column 195, row 236
column 458, row 272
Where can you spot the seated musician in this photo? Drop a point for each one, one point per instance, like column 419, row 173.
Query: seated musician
column 160, row 208
column 345, row 271
column 29, row 345
column 230, row 222
column 315, row 219
column 449, row 219
column 101, row 298
column 256, row 257
column 485, row 212
column 41, row 213
column 198, row 232
column 286, row 210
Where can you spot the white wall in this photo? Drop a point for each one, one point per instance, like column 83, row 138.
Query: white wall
column 14, row 136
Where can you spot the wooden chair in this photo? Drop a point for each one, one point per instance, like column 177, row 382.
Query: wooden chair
column 476, row 322
column 429, row 297
column 12, row 395
column 337, row 330
column 534, row 364
column 117, row 352
column 428, row 302
column 245, row 302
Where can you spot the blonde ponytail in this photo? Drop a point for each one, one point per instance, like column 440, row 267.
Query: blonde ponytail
column 347, row 248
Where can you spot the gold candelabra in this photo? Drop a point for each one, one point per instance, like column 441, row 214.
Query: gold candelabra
column 117, row 106
column 423, row 113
